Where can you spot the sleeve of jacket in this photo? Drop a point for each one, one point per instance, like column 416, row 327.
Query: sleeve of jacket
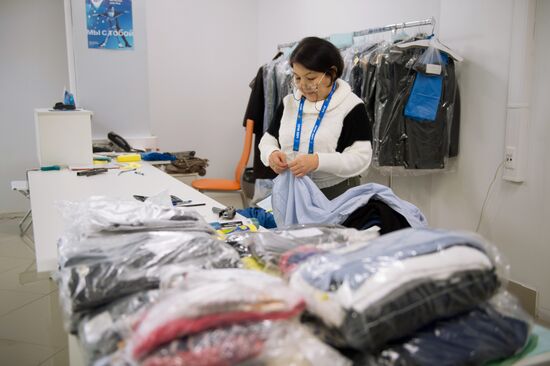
column 354, row 150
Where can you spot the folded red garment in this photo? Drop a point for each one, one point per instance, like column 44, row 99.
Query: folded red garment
column 186, row 326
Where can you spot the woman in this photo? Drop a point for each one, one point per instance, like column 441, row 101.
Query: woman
column 321, row 130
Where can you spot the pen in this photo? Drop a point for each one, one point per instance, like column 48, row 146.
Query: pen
column 91, row 172
column 193, row 205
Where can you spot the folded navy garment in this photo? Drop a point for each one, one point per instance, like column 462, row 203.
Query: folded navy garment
column 474, row 338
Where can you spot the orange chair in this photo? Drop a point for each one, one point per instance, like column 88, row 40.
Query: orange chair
column 230, row 185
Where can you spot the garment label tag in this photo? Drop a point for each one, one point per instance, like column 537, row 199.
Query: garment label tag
column 95, row 328
column 433, row 69
column 306, row 233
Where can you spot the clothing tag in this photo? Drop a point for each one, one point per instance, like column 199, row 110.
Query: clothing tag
column 305, row 233
column 95, row 328
column 433, row 69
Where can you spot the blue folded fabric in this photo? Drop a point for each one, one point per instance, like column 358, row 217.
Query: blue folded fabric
column 264, row 218
column 157, row 156
column 424, row 99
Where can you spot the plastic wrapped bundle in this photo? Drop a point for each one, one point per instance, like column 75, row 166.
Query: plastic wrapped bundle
column 102, row 214
column 494, row 330
column 211, row 299
column 371, row 294
column 267, row 247
column 100, row 333
column 266, row 342
column 102, row 272
column 415, row 107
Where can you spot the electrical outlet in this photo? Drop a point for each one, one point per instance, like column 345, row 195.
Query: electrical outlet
column 510, row 158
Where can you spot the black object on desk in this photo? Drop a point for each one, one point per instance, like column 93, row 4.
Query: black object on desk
column 91, row 172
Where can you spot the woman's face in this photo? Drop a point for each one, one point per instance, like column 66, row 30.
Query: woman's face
column 314, row 85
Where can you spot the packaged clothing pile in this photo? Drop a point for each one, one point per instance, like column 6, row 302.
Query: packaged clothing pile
column 114, row 251
column 224, row 316
column 494, row 330
column 370, row 294
column 300, row 201
column 140, row 288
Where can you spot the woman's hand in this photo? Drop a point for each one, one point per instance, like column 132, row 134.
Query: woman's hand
column 304, row 164
column 277, row 161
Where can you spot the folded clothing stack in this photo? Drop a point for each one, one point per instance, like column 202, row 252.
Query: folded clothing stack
column 494, row 330
column 371, row 294
column 112, row 248
column 98, row 270
column 212, row 299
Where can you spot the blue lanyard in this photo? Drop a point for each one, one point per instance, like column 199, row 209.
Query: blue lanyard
column 298, row 131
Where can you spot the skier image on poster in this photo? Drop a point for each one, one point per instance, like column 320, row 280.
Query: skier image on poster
column 109, row 24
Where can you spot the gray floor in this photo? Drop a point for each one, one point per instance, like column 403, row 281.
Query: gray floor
column 31, row 330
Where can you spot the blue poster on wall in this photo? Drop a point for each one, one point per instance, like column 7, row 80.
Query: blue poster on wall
column 109, row 24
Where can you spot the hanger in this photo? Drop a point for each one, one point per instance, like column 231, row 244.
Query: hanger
column 434, row 41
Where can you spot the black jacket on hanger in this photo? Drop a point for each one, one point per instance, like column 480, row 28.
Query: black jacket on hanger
column 255, row 112
column 401, row 141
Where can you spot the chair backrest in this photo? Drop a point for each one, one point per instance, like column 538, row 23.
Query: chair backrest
column 246, row 150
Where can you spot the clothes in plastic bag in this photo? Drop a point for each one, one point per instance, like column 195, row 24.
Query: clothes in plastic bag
column 210, row 299
column 372, row 294
column 266, row 342
column 101, row 332
column 102, row 215
column 398, row 139
column 110, row 267
column 268, row 246
column 494, row 330
column 423, row 102
column 300, row 201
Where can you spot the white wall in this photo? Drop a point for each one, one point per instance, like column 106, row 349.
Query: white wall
column 33, row 73
column 113, row 83
column 516, row 214
column 202, row 55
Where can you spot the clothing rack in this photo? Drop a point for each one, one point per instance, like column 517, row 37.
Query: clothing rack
column 386, row 28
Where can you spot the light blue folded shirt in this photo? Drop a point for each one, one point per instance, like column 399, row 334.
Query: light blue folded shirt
column 300, row 201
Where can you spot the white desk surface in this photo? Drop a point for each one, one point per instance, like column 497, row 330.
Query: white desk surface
column 47, row 187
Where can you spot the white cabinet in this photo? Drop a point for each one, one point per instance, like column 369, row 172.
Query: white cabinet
column 63, row 137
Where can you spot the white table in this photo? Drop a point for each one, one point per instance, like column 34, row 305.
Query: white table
column 48, row 187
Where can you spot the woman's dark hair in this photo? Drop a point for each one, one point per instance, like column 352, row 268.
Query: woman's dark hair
column 320, row 55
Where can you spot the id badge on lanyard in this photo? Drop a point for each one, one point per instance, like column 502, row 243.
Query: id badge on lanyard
column 298, row 131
